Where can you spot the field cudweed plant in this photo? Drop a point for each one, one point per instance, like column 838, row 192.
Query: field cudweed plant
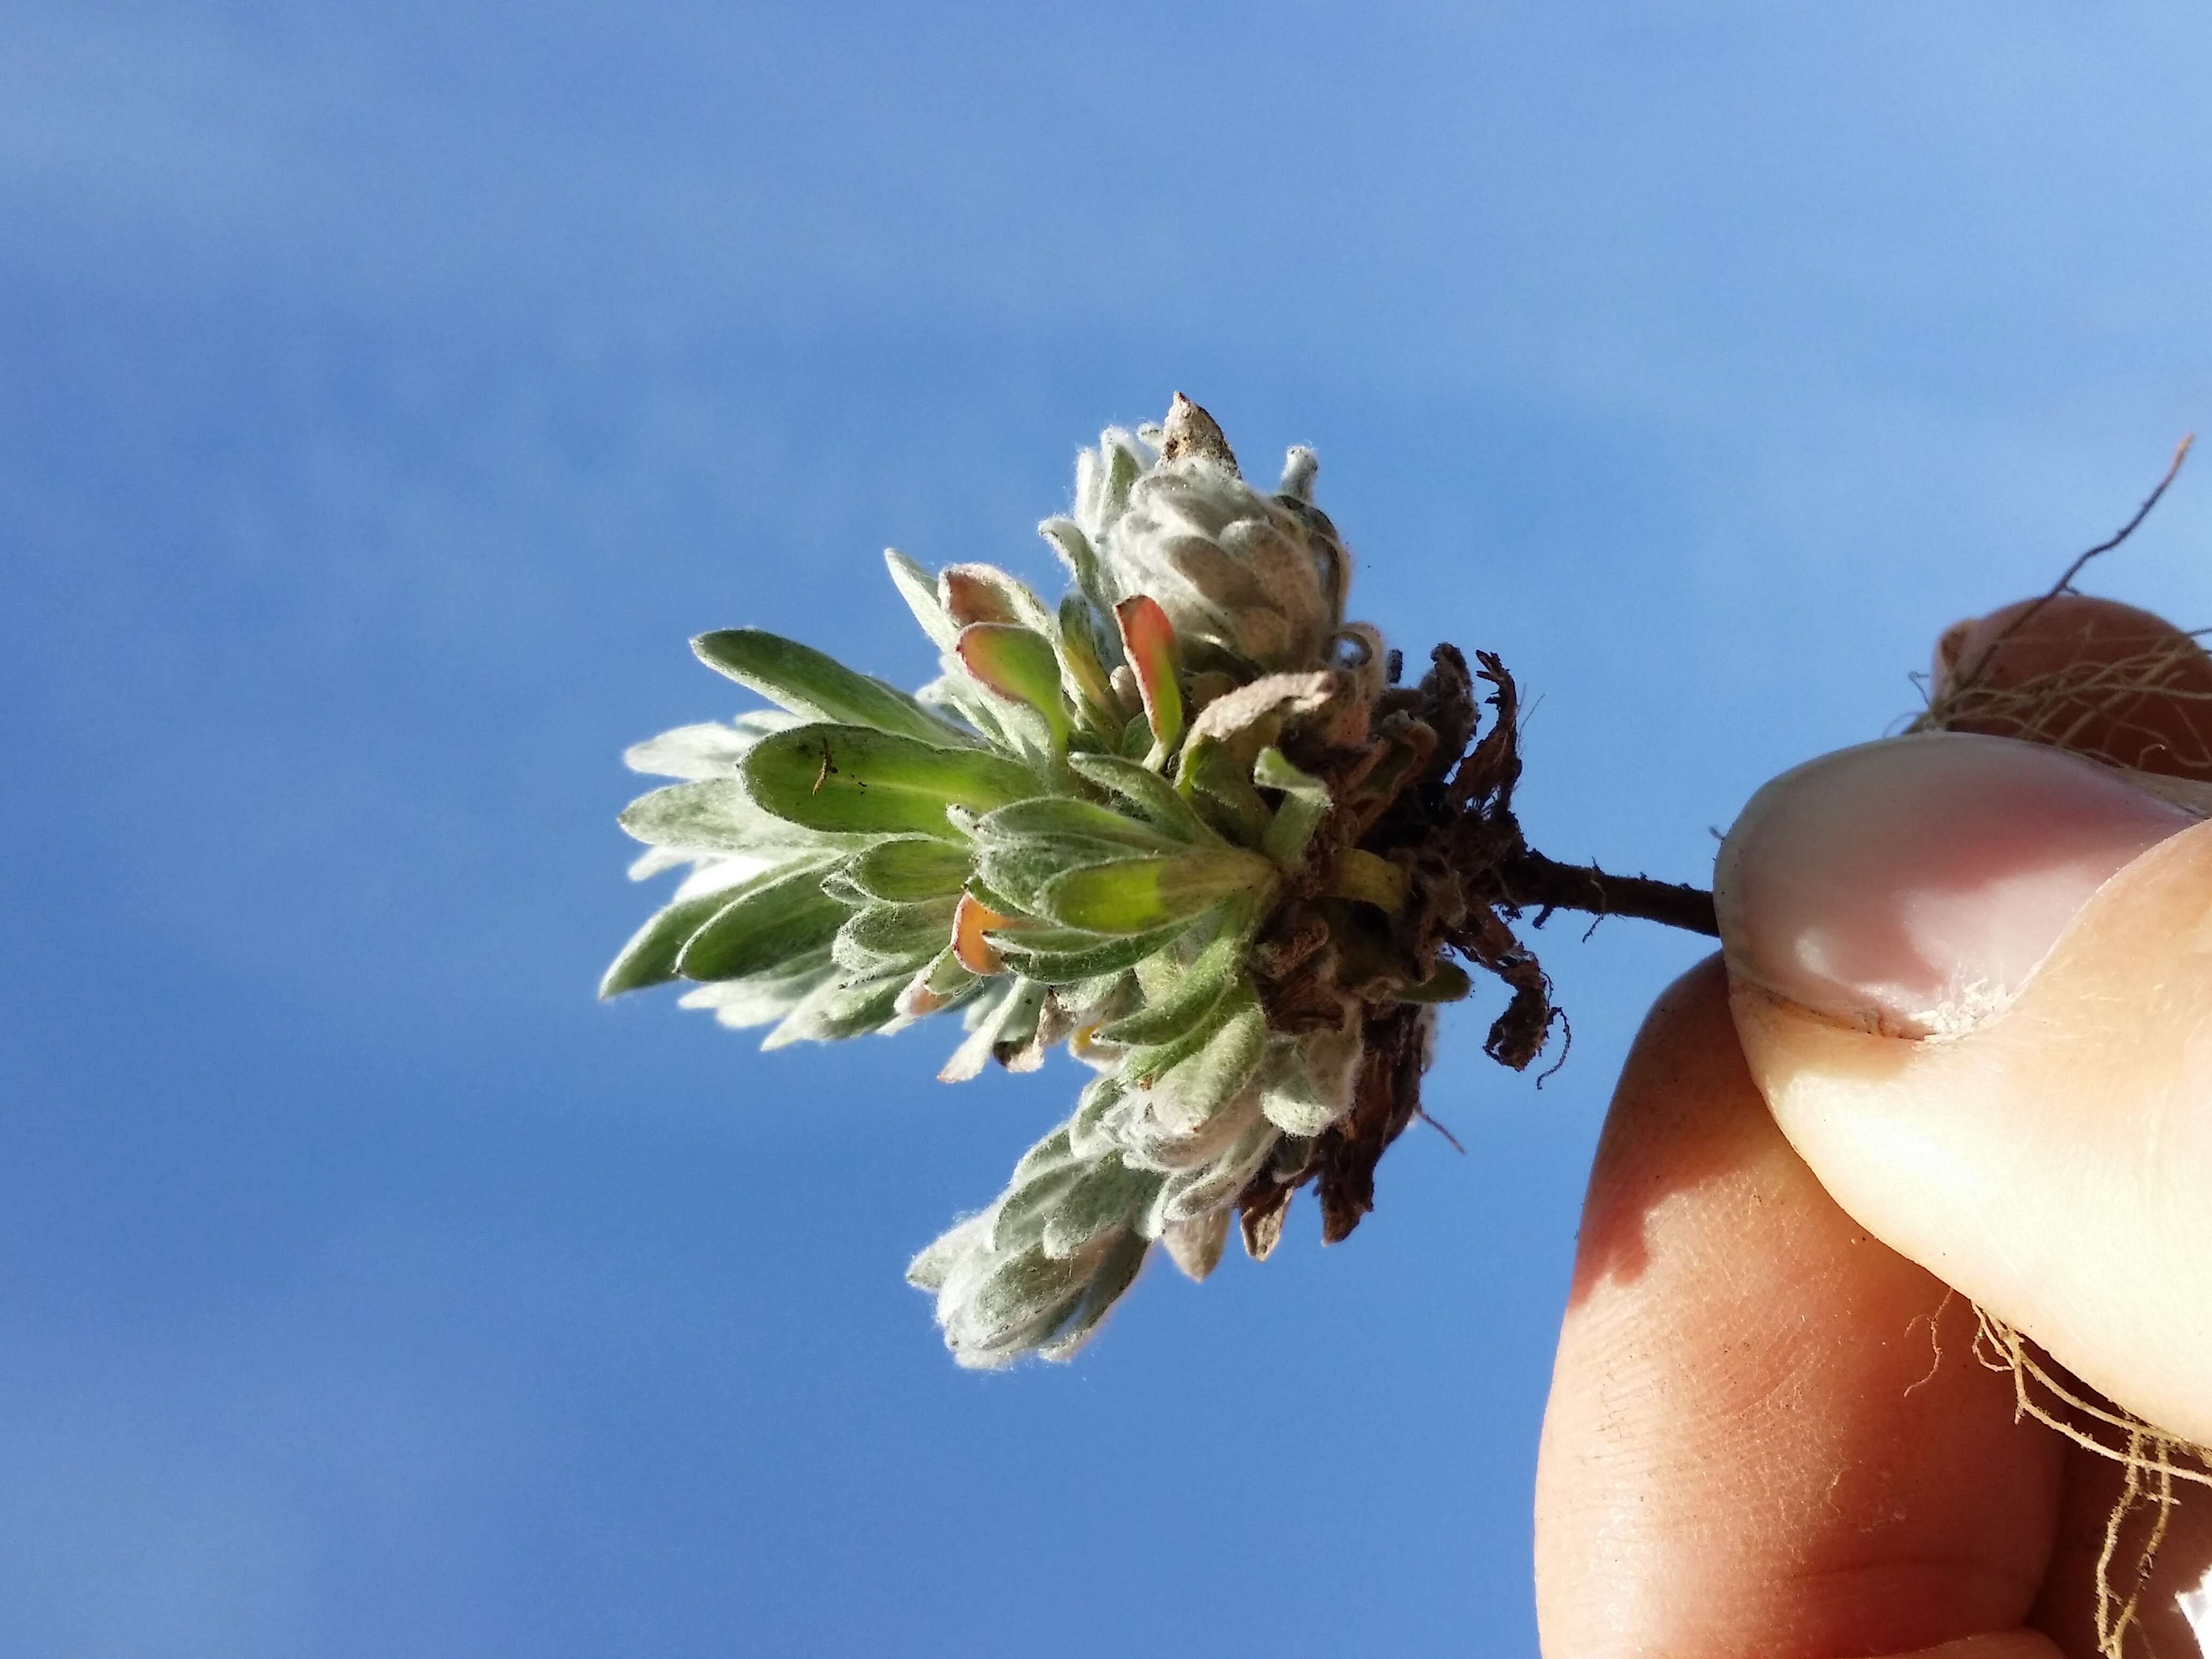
column 1186, row 820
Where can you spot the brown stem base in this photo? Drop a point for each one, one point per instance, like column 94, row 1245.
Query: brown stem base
column 1532, row 882
column 1430, row 792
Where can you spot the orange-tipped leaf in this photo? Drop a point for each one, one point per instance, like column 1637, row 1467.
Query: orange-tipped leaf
column 1148, row 640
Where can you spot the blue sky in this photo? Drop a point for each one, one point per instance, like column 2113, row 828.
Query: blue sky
column 386, row 397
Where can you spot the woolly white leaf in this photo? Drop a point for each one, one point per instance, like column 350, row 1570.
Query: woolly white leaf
column 1195, row 1245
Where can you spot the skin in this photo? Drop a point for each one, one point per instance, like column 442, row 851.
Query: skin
column 1768, row 1433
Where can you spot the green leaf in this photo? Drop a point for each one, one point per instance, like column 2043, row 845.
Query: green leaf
column 1107, row 1195
column 710, row 750
column 1066, row 955
column 849, row 779
column 1188, row 1194
column 893, row 937
column 1045, row 1173
column 765, row 997
column 1109, row 1281
column 649, row 958
column 1089, row 1001
column 1020, row 666
column 1305, row 801
column 717, row 815
column 957, row 696
column 1135, row 895
column 1087, row 1132
column 908, row 867
column 1362, row 875
column 1124, row 466
column 1199, row 990
column 1022, row 848
column 1016, row 1031
column 988, row 1021
column 1049, row 1153
column 763, row 926
column 1063, row 818
column 1019, row 1302
column 1205, row 1065
column 1210, row 767
column 1311, row 1082
column 819, row 687
column 919, row 589
column 1076, row 552
column 1152, row 795
column 1015, row 873
column 847, row 891
column 839, row 1010
column 1084, row 667
column 930, row 1269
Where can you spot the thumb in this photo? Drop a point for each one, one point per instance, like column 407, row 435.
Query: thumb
column 1972, row 977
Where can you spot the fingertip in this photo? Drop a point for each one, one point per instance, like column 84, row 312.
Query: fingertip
column 2093, row 675
column 2053, row 1162
column 1910, row 887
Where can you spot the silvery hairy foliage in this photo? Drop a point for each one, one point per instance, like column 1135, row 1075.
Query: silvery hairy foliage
column 1091, row 830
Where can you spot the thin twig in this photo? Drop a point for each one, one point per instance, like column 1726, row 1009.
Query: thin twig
column 1532, row 881
column 2065, row 583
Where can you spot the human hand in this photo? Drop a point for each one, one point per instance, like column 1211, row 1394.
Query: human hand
column 1753, row 1445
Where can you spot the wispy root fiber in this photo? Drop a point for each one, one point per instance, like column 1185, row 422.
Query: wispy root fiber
column 2153, row 1464
column 2131, row 700
column 2122, row 707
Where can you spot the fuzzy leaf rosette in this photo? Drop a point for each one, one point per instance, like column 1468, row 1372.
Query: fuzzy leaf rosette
column 1127, row 823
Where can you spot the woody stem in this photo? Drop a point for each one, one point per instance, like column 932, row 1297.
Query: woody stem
column 1530, row 880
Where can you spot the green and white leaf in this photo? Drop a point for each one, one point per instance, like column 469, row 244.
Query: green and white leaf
column 1153, row 798
column 710, row 750
column 919, row 589
column 1196, row 992
column 930, row 1269
column 1197, row 1072
column 743, row 1003
column 841, row 1009
column 1136, row 895
column 764, row 925
column 1067, row 956
column 1064, row 818
column 649, row 958
column 818, row 687
column 887, row 939
column 904, row 869
column 1305, row 802
column 1308, row 1083
column 1110, row 1281
column 851, row 780
column 991, row 1020
column 1107, row 1197
column 719, row 816
column 1188, row 1194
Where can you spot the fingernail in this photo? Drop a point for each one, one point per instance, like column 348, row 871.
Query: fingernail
column 1911, row 886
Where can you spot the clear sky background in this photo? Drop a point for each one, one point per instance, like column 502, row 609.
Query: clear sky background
column 386, row 392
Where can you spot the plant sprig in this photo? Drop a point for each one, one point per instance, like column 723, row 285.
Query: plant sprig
column 1186, row 821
